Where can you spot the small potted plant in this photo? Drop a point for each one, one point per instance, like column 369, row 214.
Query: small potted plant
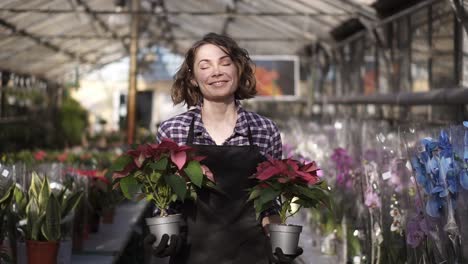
column 161, row 173
column 6, row 194
column 293, row 182
column 44, row 211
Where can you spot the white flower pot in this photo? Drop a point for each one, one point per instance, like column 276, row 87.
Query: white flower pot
column 285, row 237
column 169, row 225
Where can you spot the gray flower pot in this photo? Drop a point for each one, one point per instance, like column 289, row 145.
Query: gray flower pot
column 164, row 225
column 285, row 237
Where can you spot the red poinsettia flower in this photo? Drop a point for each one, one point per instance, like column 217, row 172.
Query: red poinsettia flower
column 308, row 172
column 40, row 155
column 140, row 154
column 178, row 153
column 165, row 164
column 287, row 170
column 290, row 179
column 62, row 157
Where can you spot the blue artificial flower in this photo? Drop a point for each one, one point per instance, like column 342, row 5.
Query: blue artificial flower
column 465, row 142
column 421, row 176
column 464, row 179
column 434, row 206
column 444, row 145
column 439, row 191
column 433, row 166
column 438, row 173
column 424, row 157
column 446, row 165
column 430, row 145
column 452, row 184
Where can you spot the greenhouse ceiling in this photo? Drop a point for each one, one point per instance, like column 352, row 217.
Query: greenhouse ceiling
column 53, row 38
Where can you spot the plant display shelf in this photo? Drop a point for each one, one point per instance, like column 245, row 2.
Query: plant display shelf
column 105, row 246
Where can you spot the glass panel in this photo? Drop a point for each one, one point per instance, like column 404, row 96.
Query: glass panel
column 443, row 63
column 369, row 68
column 420, row 51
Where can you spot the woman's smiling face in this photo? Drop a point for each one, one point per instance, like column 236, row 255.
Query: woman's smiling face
column 215, row 73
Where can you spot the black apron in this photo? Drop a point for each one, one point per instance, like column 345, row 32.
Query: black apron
column 221, row 226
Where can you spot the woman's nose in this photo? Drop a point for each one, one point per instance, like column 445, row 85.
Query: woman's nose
column 217, row 70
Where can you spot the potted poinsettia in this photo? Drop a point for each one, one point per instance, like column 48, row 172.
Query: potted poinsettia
column 162, row 173
column 293, row 182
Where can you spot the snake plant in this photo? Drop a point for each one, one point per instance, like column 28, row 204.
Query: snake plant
column 43, row 209
column 6, row 195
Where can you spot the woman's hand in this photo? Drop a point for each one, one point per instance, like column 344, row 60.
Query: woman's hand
column 278, row 256
column 166, row 247
column 271, row 219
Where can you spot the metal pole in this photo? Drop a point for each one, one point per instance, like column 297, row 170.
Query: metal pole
column 132, row 88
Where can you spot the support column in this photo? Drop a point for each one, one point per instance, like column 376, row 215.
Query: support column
column 132, row 88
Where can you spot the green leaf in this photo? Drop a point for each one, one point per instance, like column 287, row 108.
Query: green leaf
column 268, row 195
column 159, row 165
column 44, row 195
column 254, row 194
column 6, row 199
column 149, row 197
column 314, row 193
column 70, row 202
column 21, row 201
column 120, row 163
column 177, row 184
column 195, row 173
column 260, row 207
column 155, row 176
column 129, row 187
column 51, row 227
column 6, row 184
column 306, row 203
column 35, row 187
column 32, row 213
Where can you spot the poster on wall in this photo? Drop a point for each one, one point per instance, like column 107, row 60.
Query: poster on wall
column 277, row 77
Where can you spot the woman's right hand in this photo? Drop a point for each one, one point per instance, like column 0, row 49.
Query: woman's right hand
column 165, row 247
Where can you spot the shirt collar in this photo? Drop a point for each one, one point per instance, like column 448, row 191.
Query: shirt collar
column 242, row 123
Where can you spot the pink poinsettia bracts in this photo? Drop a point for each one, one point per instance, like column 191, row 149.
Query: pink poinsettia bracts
column 294, row 181
column 161, row 173
column 288, row 170
column 179, row 156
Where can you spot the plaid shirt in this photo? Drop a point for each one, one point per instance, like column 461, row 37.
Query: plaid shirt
column 265, row 135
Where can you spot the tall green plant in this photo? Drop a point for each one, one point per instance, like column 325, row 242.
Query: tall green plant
column 44, row 209
column 73, row 121
column 6, row 195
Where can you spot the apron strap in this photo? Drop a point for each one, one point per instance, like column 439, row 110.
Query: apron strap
column 190, row 133
column 192, row 127
column 250, row 137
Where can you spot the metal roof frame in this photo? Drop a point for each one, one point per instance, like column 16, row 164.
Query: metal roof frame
column 86, row 35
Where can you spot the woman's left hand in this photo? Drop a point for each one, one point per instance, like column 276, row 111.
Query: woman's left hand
column 279, row 257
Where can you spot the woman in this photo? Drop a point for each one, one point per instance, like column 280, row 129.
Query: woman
column 221, row 226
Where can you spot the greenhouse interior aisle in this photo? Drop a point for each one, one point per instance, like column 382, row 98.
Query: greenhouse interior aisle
column 367, row 152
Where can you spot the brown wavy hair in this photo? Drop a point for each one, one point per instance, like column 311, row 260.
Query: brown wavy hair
column 184, row 91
